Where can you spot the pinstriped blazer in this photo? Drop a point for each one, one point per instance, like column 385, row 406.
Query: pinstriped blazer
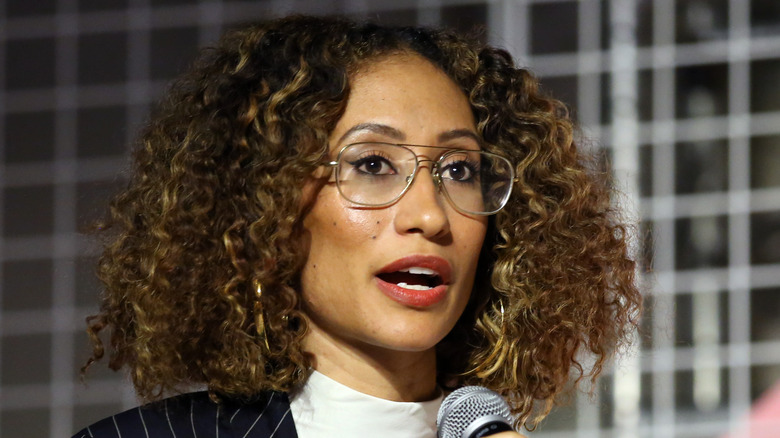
column 195, row 415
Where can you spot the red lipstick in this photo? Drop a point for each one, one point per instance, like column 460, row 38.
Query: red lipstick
column 432, row 269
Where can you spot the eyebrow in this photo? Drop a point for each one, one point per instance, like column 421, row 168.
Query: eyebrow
column 457, row 134
column 396, row 134
column 377, row 128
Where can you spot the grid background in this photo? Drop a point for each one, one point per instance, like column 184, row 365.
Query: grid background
column 684, row 94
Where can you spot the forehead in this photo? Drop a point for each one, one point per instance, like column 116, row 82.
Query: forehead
column 406, row 93
column 394, row 69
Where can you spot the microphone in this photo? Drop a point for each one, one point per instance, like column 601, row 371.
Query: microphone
column 473, row 412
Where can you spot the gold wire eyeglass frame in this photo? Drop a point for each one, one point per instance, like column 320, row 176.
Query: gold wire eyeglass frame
column 435, row 166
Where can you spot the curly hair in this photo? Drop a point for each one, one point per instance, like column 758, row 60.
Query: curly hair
column 215, row 203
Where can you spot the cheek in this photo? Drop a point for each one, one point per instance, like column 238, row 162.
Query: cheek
column 335, row 228
column 361, row 225
column 470, row 233
column 343, row 242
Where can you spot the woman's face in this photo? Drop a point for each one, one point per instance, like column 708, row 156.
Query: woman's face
column 357, row 254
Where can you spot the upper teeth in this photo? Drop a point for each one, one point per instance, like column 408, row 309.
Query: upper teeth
column 419, row 270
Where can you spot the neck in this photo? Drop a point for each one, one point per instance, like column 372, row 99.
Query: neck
column 406, row 376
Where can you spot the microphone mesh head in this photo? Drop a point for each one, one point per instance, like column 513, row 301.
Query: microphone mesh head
column 466, row 405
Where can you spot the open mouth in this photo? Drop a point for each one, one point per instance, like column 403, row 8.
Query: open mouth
column 415, row 278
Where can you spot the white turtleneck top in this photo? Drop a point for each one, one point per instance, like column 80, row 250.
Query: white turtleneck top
column 325, row 408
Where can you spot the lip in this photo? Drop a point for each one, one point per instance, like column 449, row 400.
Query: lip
column 413, row 297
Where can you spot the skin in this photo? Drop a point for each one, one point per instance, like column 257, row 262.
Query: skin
column 358, row 335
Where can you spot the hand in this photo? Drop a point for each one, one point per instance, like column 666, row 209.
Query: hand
column 507, row 435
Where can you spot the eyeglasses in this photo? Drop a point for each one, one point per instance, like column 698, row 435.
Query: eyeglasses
column 376, row 174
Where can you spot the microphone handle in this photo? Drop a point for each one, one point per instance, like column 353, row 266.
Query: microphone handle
column 487, row 426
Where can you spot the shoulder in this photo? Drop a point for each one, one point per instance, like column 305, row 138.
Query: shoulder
column 193, row 415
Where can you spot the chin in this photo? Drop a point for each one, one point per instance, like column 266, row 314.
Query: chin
column 414, row 338
column 409, row 347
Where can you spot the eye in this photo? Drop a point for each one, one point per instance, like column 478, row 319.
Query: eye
column 373, row 165
column 460, row 171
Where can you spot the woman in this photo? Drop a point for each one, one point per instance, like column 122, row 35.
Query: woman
column 332, row 224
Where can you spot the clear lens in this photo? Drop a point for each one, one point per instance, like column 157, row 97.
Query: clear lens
column 374, row 173
column 377, row 174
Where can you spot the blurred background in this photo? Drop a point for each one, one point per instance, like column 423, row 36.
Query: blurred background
column 683, row 94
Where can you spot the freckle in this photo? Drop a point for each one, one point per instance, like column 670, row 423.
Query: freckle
column 314, row 266
column 334, row 223
column 377, row 222
column 373, row 237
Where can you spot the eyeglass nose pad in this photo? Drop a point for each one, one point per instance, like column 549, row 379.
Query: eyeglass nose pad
column 436, row 176
column 434, row 173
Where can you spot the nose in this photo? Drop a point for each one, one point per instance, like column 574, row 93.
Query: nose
column 421, row 209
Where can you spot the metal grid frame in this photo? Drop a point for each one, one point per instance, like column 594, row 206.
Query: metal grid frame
column 49, row 189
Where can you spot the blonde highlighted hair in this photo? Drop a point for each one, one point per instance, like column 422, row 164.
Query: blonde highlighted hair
column 214, row 205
